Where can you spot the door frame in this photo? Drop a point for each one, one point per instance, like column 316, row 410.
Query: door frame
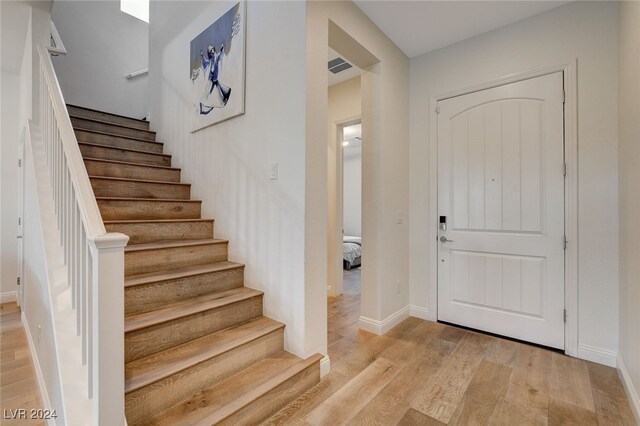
column 570, row 187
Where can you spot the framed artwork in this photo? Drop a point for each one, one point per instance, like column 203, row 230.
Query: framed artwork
column 217, row 69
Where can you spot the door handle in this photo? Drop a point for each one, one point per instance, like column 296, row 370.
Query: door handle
column 443, row 239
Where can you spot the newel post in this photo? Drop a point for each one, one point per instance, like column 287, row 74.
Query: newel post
column 106, row 357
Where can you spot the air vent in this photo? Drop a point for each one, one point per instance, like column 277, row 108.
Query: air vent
column 338, row 64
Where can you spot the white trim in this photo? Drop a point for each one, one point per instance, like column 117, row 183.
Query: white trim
column 59, row 48
column 44, row 395
column 569, row 70
column 9, row 296
column 419, row 312
column 325, row 366
column 137, row 73
column 597, row 355
column 381, row 327
column 632, row 393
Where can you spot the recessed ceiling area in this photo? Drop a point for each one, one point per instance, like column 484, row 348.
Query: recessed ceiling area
column 339, row 68
column 418, row 27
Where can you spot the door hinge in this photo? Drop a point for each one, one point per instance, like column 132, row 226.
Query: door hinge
column 19, row 221
column 438, row 109
column 564, row 169
column 564, row 315
column 564, row 242
column 564, row 96
column 19, row 162
column 18, row 280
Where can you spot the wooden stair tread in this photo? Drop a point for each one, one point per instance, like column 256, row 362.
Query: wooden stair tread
column 217, row 403
column 107, row 113
column 135, row 221
column 99, row 145
column 188, row 307
column 186, row 200
column 128, row 163
column 162, row 182
column 175, row 243
column 153, row 277
column 115, row 135
column 95, row 120
column 155, row 367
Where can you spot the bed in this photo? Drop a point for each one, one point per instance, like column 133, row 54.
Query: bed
column 351, row 251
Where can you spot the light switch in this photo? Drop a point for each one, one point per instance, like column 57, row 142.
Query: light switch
column 274, row 171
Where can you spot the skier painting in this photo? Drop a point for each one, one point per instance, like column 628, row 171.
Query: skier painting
column 217, row 70
column 216, row 94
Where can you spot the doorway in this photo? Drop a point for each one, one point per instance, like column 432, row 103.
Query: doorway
column 344, row 174
column 501, row 181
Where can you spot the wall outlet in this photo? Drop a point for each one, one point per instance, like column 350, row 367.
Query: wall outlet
column 397, row 286
column 399, row 217
column 274, row 171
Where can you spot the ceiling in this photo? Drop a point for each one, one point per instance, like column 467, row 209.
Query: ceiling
column 419, row 27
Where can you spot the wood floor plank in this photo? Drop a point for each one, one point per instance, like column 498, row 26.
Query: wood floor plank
column 307, row 402
column 609, row 396
column 612, row 409
column 503, row 351
column 351, row 398
column 529, row 384
column 18, row 385
column 487, row 388
column 452, row 334
column 507, row 414
column 567, row 414
column 416, row 418
column 17, row 389
column 445, row 391
column 569, row 381
column 15, row 375
column 389, row 406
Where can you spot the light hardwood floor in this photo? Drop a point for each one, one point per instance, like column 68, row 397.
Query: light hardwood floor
column 426, row 373
column 18, row 386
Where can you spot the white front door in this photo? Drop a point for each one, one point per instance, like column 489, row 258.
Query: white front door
column 501, row 193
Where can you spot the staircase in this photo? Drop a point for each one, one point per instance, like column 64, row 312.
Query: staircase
column 197, row 348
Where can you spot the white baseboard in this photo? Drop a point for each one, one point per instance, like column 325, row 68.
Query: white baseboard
column 44, row 395
column 632, row 393
column 597, row 355
column 419, row 312
column 381, row 327
column 325, row 366
column 8, row 296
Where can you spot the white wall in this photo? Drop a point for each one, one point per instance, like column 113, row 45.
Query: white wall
column 103, row 45
column 228, row 164
column 583, row 30
column 352, row 192
column 345, row 104
column 385, row 157
column 10, row 129
column 15, row 17
column 629, row 157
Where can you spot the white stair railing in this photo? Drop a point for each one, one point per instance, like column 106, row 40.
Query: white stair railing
column 94, row 259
